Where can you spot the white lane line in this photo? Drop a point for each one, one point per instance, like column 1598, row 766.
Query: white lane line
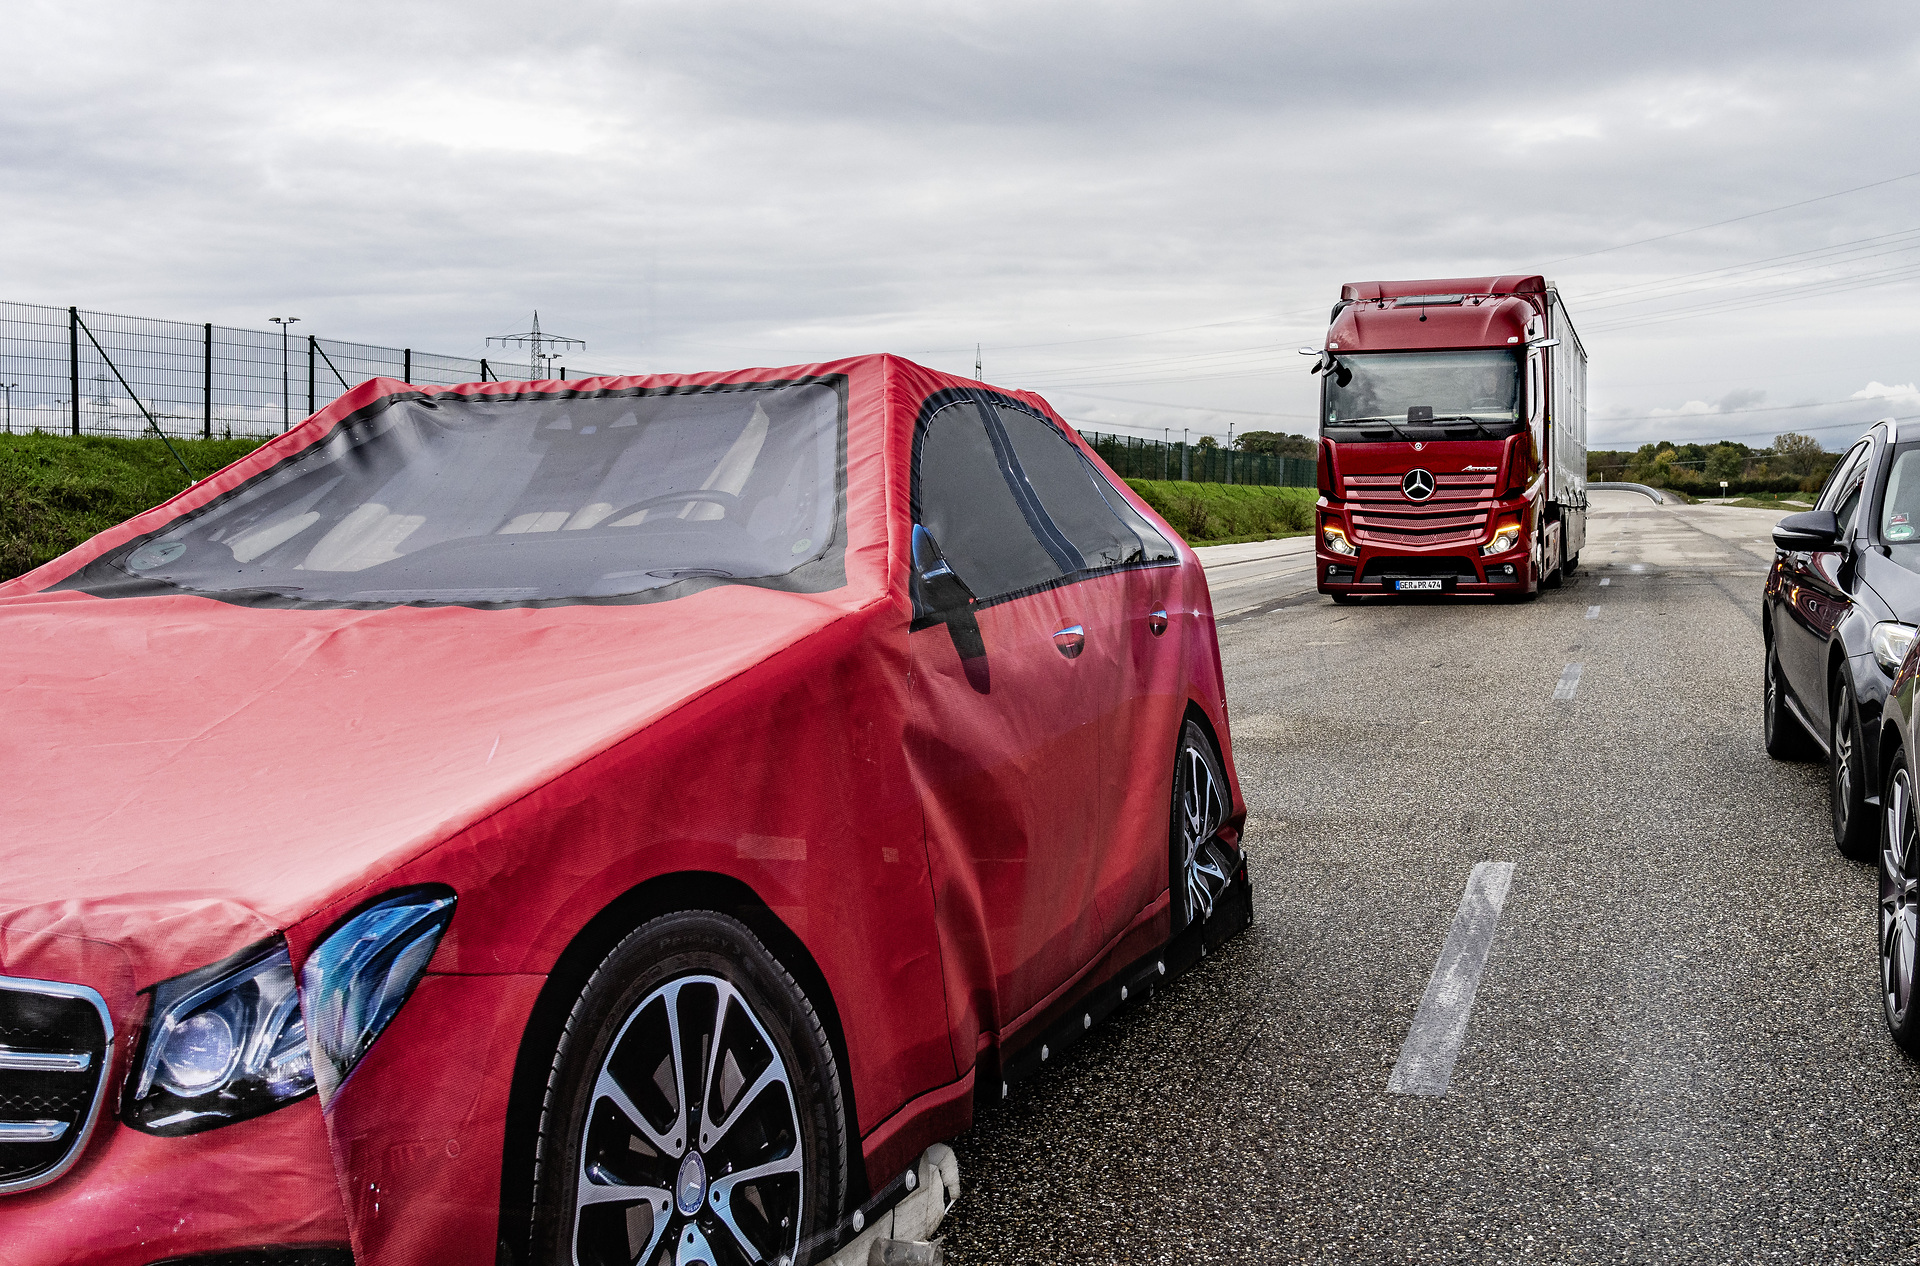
column 1425, row 1066
column 1605, row 582
column 1637, row 567
column 1569, row 682
column 1593, row 613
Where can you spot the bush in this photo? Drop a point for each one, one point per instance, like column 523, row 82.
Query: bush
column 1214, row 514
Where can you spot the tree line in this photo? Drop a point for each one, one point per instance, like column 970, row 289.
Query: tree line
column 1792, row 463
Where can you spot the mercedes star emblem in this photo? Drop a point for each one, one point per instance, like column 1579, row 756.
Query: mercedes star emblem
column 1417, row 485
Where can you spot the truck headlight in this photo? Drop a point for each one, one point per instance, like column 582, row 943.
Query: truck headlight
column 1891, row 640
column 1336, row 539
column 1504, row 538
column 356, row 978
column 226, row 1043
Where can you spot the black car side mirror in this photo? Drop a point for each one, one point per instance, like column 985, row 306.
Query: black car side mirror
column 1810, row 530
column 946, row 595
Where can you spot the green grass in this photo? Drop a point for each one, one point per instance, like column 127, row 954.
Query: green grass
column 1225, row 514
column 58, row 490
column 1761, row 501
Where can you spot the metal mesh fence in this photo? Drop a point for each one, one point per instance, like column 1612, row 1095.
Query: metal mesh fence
column 1134, row 458
column 99, row 373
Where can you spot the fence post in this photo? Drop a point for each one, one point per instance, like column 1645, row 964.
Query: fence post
column 1186, row 463
column 206, row 382
column 407, row 373
column 311, row 406
column 73, row 363
column 484, row 372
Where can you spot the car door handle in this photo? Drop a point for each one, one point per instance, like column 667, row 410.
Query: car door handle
column 1070, row 641
column 1157, row 621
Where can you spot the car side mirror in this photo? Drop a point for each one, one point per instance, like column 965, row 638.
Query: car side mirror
column 946, row 595
column 1809, row 530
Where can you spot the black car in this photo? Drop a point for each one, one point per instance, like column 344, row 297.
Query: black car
column 1842, row 601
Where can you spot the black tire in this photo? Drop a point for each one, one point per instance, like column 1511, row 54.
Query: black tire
column 1199, row 867
column 1786, row 738
column 742, row 1023
column 1855, row 833
column 1572, row 565
column 1557, row 577
column 1899, row 906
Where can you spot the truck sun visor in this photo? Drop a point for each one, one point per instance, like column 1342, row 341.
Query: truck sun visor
column 448, row 499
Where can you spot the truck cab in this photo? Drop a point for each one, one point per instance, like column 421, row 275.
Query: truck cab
column 1452, row 439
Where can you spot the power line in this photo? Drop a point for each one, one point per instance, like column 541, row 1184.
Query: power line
column 1699, row 228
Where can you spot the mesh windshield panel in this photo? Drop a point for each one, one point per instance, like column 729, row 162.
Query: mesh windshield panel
column 1089, row 513
column 471, row 500
column 965, row 502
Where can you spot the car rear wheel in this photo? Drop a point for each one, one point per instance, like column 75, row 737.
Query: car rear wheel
column 693, row 1109
column 1786, row 738
column 1200, row 867
column 1854, row 831
column 1899, row 907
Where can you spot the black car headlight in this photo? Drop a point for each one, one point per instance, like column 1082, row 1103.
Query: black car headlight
column 358, row 975
column 226, row 1043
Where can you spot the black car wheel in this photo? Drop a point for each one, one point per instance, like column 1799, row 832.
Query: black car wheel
column 693, row 1109
column 1786, row 738
column 1854, row 833
column 1899, row 907
column 1200, row 866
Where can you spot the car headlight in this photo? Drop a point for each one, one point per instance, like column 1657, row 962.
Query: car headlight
column 1503, row 540
column 1891, row 640
column 358, row 975
column 226, row 1043
column 1336, row 539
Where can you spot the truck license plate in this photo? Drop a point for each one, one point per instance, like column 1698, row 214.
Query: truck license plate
column 1435, row 583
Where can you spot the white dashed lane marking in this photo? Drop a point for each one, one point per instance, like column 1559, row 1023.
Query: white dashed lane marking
column 1593, row 613
column 1432, row 1048
column 1569, row 682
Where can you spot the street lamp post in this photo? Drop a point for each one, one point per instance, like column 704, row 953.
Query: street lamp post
column 286, row 407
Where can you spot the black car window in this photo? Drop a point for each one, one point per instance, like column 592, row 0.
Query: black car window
column 1900, row 508
column 1849, row 505
column 965, row 500
column 1843, row 473
column 1090, row 513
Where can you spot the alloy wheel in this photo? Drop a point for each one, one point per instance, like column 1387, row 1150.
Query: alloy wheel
column 1199, row 809
column 1899, row 903
column 691, row 1150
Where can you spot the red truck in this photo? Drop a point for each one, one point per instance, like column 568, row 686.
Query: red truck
column 1453, row 439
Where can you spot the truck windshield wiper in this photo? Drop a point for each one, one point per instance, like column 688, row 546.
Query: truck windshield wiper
column 1477, row 424
column 1388, row 420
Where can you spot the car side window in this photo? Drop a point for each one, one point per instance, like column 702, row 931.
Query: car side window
column 1089, row 512
column 965, row 501
column 1841, row 481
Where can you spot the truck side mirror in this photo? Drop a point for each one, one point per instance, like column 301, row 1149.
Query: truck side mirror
column 946, row 595
column 1809, row 530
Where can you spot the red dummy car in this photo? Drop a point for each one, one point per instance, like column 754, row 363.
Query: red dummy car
column 629, row 820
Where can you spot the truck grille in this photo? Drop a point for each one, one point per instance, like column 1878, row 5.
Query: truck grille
column 1456, row 512
column 55, row 1040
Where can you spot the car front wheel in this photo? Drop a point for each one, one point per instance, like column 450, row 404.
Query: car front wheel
column 1200, row 867
column 1899, row 907
column 693, row 1109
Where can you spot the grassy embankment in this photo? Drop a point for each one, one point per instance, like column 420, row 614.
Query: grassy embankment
column 58, row 490
column 1222, row 514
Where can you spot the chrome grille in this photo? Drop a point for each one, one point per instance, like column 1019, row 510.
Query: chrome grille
column 1457, row 511
column 55, row 1040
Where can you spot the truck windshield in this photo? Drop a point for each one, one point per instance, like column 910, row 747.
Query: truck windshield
column 1466, row 393
column 490, row 500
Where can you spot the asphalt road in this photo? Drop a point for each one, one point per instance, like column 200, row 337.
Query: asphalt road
column 1675, row 1053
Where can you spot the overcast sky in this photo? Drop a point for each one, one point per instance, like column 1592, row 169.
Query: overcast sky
column 1138, row 210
